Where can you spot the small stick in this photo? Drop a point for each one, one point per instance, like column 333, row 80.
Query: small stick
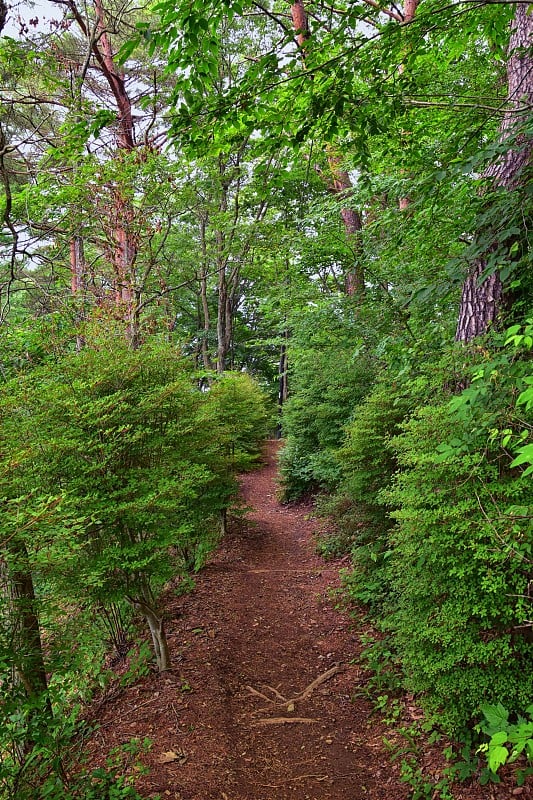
column 276, row 693
column 317, row 682
column 297, row 778
column 283, row 720
column 259, row 694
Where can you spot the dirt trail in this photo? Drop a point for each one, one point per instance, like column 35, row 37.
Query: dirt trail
column 258, row 630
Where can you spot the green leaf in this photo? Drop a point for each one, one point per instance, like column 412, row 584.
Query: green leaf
column 497, row 757
column 496, row 715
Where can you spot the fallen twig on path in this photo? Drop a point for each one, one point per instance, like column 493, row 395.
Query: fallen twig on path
column 283, row 720
column 290, row 701
column 317, row 682
column 291, row 780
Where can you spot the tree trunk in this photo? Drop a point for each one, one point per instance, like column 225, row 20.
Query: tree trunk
column 145, row 605
column 206, row 322
column 409, row 10
column 77, row 275
column 340, row 182
column 480, row 303
column 283, row 392
column 225, row 299
column 29, row 666
column 353, row 225
column 118, row 212
column 482, row 299
column 222, row 332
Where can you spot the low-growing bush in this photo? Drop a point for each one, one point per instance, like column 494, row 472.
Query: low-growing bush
column 460, row 570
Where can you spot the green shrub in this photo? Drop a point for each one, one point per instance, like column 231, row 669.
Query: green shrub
column 367, row 462
column 239, row 410
column 331, row 371
column 460, row 569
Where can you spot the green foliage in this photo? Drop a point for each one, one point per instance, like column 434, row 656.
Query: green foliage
column 507, row 740
column 328, row 377
column 367, row 463
column 459, row 570
column 51, row 769
column 118, row 431
column 114, row 471
column 239, row 409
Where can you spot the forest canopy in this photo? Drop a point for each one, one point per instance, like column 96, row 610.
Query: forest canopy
column 211, row 208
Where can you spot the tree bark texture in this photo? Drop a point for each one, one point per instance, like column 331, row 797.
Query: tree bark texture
column 117, row 211
column 482, row 300
column 22, row 617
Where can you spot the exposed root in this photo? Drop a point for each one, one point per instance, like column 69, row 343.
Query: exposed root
column 290, row 702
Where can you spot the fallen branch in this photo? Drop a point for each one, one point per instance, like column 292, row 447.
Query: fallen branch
column 315, row 684
column 275, row 692
column 259, row 694
column 297, row 778
column 284, row 701
column 284, row 720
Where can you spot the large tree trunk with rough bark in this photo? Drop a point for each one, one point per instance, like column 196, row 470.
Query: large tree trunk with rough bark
column 117, row 211
column 483, row 297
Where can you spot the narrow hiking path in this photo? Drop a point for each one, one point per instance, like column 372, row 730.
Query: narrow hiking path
column 256, row 633
column 259, row 705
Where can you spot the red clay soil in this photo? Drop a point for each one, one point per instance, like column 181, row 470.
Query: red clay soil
column 260, row 703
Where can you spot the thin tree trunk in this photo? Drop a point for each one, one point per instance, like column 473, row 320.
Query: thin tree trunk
column 340, row 182
column 409, row 13
column 145, row 605
column 206, row 357
column 77, row 273
column 28, row 662
column 482, row 299
column 283, row 391
column 221, row 257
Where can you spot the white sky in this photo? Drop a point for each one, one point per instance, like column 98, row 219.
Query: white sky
column 41, row 9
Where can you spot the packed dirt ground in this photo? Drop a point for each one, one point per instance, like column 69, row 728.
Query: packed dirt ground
column 262, row 701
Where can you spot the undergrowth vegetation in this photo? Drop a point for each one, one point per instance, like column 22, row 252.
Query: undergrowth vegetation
column 431, row 497
column 116, row 472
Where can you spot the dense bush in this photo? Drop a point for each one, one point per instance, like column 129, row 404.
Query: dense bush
column 462, row 548
column 115, row 472
column 330, row 374
column 437, row 517
column 459, row 574
column 367, row 462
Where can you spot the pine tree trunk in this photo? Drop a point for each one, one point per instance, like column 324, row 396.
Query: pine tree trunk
column 480, row 303
column 482, row 300
column 119, row 214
